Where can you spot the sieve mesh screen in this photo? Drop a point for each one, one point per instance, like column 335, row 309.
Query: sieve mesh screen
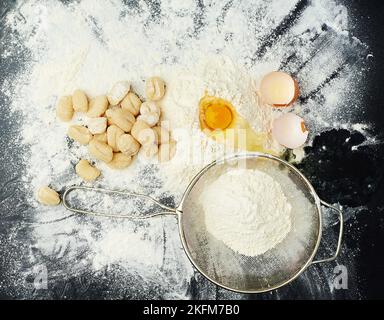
column 266, row 271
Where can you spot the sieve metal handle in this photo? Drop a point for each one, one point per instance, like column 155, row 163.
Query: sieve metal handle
column 167, row 210
column 341, row 227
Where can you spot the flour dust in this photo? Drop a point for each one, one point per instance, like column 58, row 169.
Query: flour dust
column 56, row 47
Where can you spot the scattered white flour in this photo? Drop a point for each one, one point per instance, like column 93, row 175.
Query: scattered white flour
column 224, row 78
column 247, row 210
column 93, row 44
column 217, row 76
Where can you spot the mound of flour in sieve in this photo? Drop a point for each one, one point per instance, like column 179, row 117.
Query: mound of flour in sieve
column 247, row 210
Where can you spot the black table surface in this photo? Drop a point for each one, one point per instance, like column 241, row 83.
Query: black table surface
column 340, row 177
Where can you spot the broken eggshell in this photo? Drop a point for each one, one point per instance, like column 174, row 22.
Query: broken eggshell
column 289, row 130
column 278, row 89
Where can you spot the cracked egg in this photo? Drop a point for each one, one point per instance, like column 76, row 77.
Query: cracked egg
column 220, row 121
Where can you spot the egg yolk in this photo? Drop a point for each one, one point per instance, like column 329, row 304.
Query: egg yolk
column 220, row 121
column 218, row 116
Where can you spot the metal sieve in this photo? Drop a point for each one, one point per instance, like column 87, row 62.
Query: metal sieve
column 217, row 262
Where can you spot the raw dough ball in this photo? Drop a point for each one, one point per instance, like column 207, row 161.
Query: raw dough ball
column 120, row 161
column 128, row 145
column 132, row 103
column 86, row 171
column 113, row 133
column 64, row 110
column 154, row 88
column 97, row 125
column 167, row 151
column 97, row 107
column 121, row 117
column 80, row 134
column 118, row 92
column 100, row 150
column 80, row 101
column 47, row 196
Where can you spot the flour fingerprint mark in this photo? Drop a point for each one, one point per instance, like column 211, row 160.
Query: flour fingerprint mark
column 154, row 7
column 343, row 56
column 96, row 29
column 283, row 27
column 199, row 17
column 327, row 80
column 321, row 45
column 220, row 19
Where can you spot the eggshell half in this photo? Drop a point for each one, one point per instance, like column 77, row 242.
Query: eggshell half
column 289, row 130
column 279, row 89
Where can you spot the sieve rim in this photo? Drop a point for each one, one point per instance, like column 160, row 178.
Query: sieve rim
column 238, row 156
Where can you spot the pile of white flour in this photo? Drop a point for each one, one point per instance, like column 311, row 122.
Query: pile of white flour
column 247, row 210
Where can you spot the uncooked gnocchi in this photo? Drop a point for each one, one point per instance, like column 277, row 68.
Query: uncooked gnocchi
column 149, row 113
column 154, row 88
column 121, row 117
column 100, row 150
column 137, row 127
column 148, row 151
column 102, row 137
column 148, row 136
column 143, row 133
column 167, row 151
column 120, row 161
column 80, row 134
column 151, row 118
column 162, row 134
column 128, row 144
column 113, row 133
column 47, row 196
column 120, row 126
column 80, row 101
column 149, row 107
column 86, row 171
column 118, row 92
column 64, row 110
column 97, row 107
column 97, row 125
column 132, row 103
